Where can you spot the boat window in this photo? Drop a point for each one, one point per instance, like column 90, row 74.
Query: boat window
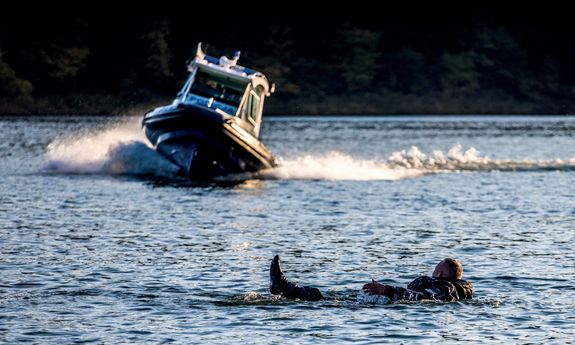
column 247, row 107
column 210, row 86
column 254, row 105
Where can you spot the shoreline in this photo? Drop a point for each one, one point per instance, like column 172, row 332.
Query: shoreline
column 384, row 104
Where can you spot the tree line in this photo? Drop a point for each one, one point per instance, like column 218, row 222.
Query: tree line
column 476, row 64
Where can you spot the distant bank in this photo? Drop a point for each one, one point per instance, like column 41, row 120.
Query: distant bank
column 385, row 103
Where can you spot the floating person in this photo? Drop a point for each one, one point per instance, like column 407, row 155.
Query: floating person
column 445, row 284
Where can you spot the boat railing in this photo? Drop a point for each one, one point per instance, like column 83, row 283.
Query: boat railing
column 210, row 102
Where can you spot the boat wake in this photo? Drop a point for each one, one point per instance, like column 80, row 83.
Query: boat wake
column 336, row 166
column 403, row 164
column 121, row 149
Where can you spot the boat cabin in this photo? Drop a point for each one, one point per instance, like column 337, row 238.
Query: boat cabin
column 227, row 88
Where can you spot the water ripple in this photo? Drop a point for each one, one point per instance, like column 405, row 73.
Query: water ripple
column 107, row 258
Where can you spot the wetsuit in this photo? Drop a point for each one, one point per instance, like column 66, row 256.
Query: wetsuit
column 430, row 288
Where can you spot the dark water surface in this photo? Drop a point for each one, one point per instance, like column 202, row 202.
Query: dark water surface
column 99, row 243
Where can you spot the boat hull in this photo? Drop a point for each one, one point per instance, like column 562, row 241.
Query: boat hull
column 205, row 143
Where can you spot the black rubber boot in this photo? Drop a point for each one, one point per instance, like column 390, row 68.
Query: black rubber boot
column 278, row 281
column 280, row 285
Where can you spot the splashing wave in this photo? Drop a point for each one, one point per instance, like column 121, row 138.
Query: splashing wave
column 118, row 149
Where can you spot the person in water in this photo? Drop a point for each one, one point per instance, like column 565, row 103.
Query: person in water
column 445, row 284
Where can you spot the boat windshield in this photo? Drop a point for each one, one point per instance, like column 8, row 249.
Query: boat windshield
column 209, row 86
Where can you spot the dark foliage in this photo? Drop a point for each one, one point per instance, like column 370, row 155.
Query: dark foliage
column 344, row 64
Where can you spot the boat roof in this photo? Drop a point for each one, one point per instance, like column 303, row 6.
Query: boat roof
column 228, row 68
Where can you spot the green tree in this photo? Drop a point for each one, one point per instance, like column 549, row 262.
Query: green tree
column 501, row 61
column 277, row 59
column 51, row 54
column 407, row 71
column 360, row 56
column 155, row 55
column 10, row 85
column 63, row 62
column 458, row 73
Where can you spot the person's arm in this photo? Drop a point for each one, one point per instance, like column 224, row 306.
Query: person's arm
column 394, row 293
column 422, row 288
column 375, row 288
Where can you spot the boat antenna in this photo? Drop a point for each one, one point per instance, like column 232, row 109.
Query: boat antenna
column 199, row 52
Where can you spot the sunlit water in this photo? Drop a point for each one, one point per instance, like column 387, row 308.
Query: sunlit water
column 100, row 242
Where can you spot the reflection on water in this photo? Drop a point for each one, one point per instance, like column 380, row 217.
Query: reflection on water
column 100, row 243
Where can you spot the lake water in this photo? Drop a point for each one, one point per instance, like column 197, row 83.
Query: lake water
column 100, row 243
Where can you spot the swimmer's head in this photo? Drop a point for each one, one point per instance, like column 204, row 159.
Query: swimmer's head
column 448, row 268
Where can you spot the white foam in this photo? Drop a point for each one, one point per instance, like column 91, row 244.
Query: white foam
column 455, row 159
column 118, row 149
column 336, row 166
column 365, row 298
column 252, row 296
column 403, row 164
